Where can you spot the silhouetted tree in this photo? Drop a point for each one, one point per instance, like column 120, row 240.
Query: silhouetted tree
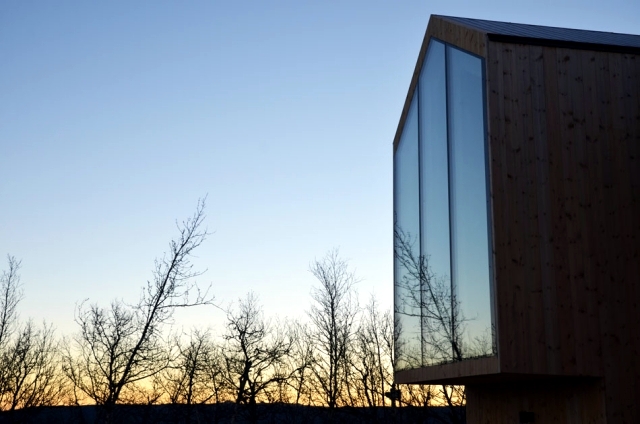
column 300, row 363
column 254, row 353
column 31, row 373
column 215, row 372
column 187, row 379
column 373, row 355
column 10, row 296
column 333, row 316
column 122, row 344
column 29, row 365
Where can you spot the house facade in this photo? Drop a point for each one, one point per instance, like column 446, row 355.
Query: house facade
column 517, row 221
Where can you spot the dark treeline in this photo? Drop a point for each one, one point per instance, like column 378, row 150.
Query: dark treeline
column 336, row 366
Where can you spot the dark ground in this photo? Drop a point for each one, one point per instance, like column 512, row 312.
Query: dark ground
column 226, row 413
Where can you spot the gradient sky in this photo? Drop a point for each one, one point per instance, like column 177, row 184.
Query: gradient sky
column 116, row 117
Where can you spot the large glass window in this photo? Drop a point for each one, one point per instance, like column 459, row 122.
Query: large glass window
column 407, row 228
column 468, row 191
column 441, row 237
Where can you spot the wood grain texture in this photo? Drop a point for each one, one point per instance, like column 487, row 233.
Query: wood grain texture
column 466, row 38
column 449, row 373
column 564, row 139
column 552, row 401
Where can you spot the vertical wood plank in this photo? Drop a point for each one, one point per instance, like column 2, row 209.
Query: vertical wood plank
column 495, row 110
column 541, row 155
column 577, row 207
column 535, row 337
column 561, row 212
column 592, row 201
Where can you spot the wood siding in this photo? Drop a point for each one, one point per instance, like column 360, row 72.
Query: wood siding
column 454, row 373
column 566, row 402
column 564, row 136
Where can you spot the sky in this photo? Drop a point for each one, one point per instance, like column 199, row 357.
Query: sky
column 116, row 117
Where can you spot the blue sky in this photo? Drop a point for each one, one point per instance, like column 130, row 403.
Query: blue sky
column 116, row 117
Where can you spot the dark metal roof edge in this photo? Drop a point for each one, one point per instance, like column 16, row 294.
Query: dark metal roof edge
column 471, row 22
column 578, row 45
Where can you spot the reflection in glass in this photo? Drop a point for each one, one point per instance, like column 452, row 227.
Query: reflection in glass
column 407, row 220
column 467, row 181
column 434, row 213
column 441, row 246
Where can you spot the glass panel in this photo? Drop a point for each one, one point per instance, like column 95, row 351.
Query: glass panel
column 468, row 190
column 441, row 241
column 406, row 238
column 434, row 189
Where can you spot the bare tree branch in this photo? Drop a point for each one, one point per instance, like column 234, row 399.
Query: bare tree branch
column 123, row 344
column 254, row 352
column 29, row 365
column 333, row 315
column 10, row 296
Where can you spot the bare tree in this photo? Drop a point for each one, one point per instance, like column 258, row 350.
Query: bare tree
column 122, row 345
column 300, row 364
column 254, row 353
column 10, row 296
column 333, row 314
column 215, row 370
column 102, row 350
column 418, row 394
column 29, row 373
column 187, row 380
column 372, row 357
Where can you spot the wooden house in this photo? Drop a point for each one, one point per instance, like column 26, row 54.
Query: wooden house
column 517, row 221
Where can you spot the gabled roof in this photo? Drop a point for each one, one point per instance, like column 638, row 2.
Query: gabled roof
column 552, row 36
